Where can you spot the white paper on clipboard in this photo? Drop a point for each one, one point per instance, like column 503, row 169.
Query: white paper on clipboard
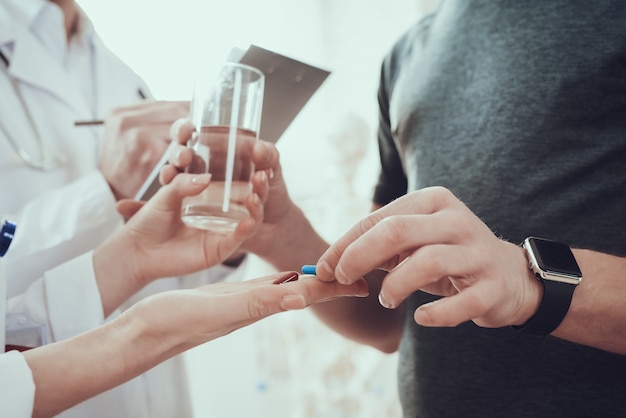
column 289, row 84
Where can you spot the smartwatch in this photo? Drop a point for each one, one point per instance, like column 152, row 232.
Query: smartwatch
column 554, row 265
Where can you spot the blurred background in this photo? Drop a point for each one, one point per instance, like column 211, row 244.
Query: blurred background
column 289, row 365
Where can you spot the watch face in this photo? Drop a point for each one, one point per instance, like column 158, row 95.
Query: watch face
column 554, row 257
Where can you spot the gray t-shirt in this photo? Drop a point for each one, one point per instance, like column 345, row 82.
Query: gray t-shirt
column 519, row 108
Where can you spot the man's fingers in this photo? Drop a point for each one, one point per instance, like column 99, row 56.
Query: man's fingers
column 416, row 219
column 472, row 302
column 425, row 269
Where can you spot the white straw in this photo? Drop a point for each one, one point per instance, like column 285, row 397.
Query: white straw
column 232, row 140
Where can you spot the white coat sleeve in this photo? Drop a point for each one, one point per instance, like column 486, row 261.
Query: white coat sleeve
column 66, row 299
column 17, row 388
column 58, row 226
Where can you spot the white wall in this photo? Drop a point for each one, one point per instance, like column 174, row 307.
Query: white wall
column 289, row 365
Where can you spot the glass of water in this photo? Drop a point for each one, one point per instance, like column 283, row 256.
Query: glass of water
column 227, row 116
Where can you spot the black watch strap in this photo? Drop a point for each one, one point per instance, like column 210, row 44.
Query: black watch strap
column 557, row 297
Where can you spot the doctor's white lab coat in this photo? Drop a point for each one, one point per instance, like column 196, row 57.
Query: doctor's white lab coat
column 17, row 389
column 68, row 211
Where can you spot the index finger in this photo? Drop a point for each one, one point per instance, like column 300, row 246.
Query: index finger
column 422, row 202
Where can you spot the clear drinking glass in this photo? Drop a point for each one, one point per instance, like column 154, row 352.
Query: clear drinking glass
column 227, row 117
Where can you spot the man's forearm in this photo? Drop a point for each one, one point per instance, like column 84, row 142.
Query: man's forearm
column 597, row 313
column 364, row 320
column 296, row 244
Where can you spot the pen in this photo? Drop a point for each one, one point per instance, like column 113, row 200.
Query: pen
column 89, row 122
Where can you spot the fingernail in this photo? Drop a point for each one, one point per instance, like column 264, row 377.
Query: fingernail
column 270, row 172
column 293, row 302
column 201, row 180
column 383, row 301
column 340, row 275
column 363, row 289
column 325, row 267
column 263, row 176
column 291, row 276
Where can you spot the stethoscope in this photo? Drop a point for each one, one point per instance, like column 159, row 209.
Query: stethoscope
column 45, row 163
column 7, row 232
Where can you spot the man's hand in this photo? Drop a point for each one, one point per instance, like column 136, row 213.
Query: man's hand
column 429, row 240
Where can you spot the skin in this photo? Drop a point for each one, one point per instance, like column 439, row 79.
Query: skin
column 299, row 243
column 70, row 12
column 159, row 327
column 428, row 240
column 135, row 137
column 155, row 243
column 159, row 237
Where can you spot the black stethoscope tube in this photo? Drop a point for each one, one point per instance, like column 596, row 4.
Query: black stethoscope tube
column 4, row 59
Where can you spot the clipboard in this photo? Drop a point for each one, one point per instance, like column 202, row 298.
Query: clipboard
column 289, row 84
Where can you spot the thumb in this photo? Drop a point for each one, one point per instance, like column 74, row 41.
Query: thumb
column 183, row 185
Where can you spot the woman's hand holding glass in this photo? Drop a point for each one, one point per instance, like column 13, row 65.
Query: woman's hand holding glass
column 155, row 243
column 285, row 238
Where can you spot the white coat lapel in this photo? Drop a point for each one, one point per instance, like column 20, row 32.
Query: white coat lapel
column 116, row 84
column 32, row 64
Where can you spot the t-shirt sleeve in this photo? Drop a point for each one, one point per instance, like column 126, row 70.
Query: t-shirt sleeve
column 392, row 181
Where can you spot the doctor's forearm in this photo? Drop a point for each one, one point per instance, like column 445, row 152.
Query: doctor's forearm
column 66, row 222
column 69, row 372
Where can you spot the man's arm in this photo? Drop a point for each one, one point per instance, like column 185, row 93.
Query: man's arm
column 365, row 320
column 597, row 313
column 429, row 240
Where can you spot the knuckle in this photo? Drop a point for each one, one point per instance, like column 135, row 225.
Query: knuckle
column 132, row 137
column 147, row 158
column 125, row 122
column 369, row 222
column 460, row 226
column 439, row 196
column 257, row 308
column 430, row 261
column 393, row 229
column 335, row 253
column 482, row 304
